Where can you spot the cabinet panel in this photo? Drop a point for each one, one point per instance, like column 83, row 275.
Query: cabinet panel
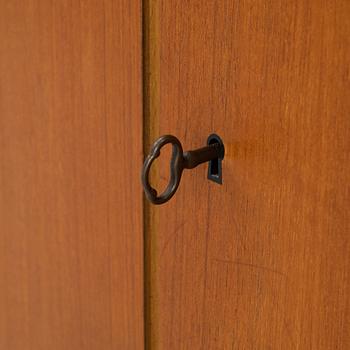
column 70, row 199
column 263, row 261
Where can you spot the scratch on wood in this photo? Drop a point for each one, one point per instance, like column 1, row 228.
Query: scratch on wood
column 254, row 266
column 172, row 235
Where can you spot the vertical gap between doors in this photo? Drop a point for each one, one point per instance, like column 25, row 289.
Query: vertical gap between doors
column 150, row 76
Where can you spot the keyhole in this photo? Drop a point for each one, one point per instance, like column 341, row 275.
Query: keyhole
column 215, row 166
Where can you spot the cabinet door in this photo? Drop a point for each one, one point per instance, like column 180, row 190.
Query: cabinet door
column 263, row 261
column 70, row 197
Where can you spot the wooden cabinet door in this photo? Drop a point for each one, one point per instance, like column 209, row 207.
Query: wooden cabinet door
column 70, row 196
column 263, row 261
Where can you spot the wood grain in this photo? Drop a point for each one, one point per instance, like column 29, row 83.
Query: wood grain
column 71, row 228
column 263, row 261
